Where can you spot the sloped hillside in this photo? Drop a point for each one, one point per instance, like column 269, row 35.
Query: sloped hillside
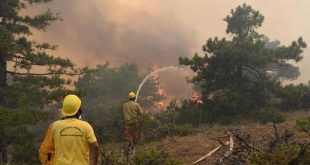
column 192, row 147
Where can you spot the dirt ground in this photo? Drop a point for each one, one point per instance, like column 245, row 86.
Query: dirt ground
column 190, row 148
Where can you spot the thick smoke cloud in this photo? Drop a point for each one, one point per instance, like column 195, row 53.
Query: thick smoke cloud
column 157, row 32
column 98, row 31
column 115, row 31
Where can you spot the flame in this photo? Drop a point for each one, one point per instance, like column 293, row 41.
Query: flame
column 160, row 91
column 196, row 97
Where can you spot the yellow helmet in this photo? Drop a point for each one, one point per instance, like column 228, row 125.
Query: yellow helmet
column 71, row 105
column 131, row 95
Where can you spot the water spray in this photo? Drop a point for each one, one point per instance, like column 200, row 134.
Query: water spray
column 151, row 74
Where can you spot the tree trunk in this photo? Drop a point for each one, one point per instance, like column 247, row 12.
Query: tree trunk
column 239, row 75
column 3, row 75
column 4, row 157
column 3, row 144
column 3, row 147
column 276, row 131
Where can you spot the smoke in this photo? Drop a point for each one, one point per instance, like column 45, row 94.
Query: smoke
column 98, row 31
column 158, row 32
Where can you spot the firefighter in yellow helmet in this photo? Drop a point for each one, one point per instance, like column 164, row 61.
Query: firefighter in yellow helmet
column 132, row 112
column 72, row 137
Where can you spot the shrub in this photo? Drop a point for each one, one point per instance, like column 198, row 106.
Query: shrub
column 295, row 96
column 232, row 106
column 304, row 124
column 150, row 129
column 24, row 146
column 141, row 157
column 168, row 115
column 184, row 130
column 283, row 154
column 153, row 129
column 108, row 123
column 178, row 130
column 270, row 114
column 154, row 157
column 109, row 157
column 191, row 113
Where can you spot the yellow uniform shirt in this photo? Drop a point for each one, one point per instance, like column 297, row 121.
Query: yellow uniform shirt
column 47, row 147
column 131, row 111
column 71, row 139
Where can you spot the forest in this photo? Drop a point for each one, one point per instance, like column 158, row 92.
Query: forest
column 240, row 81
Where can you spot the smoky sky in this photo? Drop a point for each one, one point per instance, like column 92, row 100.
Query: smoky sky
column 99, row 31
column 157, row 32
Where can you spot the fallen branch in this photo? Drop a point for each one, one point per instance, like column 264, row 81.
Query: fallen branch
column 209, row 154
column 228, row 153
column 231, row 143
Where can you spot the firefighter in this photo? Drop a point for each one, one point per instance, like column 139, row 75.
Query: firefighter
column 71, row 137
column 132, row 113
column 47, row 150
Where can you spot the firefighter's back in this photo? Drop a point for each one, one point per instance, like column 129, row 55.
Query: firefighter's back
column 71, row 140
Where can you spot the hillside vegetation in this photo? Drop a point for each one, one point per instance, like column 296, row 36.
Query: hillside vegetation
column 238, row 80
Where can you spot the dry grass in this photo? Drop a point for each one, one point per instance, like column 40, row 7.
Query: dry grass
column 190, row 148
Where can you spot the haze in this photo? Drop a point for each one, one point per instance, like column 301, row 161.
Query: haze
column 157, row 32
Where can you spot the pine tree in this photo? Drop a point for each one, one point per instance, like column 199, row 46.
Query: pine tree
column 244, row 70
column 23, row 92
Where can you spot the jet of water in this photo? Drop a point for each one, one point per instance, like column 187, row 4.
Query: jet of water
column 151, row 74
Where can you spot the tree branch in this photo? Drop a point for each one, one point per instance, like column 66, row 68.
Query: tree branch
column 259, row 75
column 21, row 57
column 43, row 74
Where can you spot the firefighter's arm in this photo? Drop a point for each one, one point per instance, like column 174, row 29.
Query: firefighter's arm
column 93, row 144
column 140, row 109
column 47, row 148
column 95, row 147
column 42, row 157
